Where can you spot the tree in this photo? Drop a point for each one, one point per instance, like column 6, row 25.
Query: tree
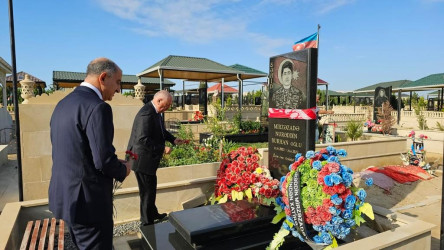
column 422, row 122
column 353, row 130
column 129, row 93
column 322, row 97
column 386, row 118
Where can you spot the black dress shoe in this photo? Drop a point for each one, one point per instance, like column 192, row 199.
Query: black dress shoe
column 160, row 216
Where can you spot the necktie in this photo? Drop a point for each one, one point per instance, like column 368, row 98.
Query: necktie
column 161, row 125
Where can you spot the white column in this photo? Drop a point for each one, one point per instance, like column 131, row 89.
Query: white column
column 3, row 82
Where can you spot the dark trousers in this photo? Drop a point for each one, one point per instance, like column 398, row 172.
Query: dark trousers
column 97, row 236
column 147, row 192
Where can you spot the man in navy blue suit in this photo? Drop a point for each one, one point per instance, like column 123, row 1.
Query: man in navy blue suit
column 84, row 160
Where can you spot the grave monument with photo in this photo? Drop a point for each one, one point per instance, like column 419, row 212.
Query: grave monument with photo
column 243, row 224
column 292, row 103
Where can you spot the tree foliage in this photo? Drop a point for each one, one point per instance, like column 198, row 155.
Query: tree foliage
column 385, row 117
column 353, row 129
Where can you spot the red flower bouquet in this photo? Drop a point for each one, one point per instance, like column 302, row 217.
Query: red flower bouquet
column 240, row 176
column 198, row 116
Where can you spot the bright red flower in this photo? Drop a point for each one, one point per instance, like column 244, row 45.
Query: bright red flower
column 333, row 167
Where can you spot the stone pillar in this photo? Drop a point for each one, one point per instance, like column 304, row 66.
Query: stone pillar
column 3, row 82
column 139, row 90
column 27, row 86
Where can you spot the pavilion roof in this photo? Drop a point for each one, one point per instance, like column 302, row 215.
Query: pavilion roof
column 395, row 85
column 426, row 83
column 21, row 76
column 217, row 87
column 128, row 80
column 189, row 68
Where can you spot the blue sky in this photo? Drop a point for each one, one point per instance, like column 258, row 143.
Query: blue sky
column 361, row 42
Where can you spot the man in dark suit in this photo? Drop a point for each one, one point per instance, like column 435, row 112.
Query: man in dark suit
column 84, row 159
column 147, row 140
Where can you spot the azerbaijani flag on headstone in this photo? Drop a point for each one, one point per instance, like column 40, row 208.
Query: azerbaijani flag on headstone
column 308, row 42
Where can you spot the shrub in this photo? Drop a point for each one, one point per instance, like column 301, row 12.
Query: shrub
column 422, row 122
column 386, row 118
column 353, row 130
column 250, row 127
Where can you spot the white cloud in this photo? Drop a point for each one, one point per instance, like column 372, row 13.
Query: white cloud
column 327, row 6
column 203, row 21
column 189, row 20
column 267, row 46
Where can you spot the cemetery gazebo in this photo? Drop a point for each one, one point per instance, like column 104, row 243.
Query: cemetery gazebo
column 201, row 70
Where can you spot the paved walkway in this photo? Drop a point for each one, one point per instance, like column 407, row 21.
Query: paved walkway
column 9, row 182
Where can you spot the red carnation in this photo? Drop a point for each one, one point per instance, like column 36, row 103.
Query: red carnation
column 340, row 188
column 327, row 202
column 333, row 167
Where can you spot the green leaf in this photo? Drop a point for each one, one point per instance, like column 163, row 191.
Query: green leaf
column 212, row 199
column 334, row 244
column 278, row 239
column 278, row 217
column 268, row 201
column 223, row 199
column 249, row 194
column 353, row 189
column 278, row 208
column 359, row 220
column 240, row 195
column 289, row 223
column 367, row 210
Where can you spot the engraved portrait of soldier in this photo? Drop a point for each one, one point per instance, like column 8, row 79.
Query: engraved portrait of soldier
column 287, row 93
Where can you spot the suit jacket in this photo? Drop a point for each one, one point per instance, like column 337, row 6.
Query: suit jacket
column 84, row 159
column 147, row 139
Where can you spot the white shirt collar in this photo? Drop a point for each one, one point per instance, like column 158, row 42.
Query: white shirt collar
column 155, row 107
column 89, row 85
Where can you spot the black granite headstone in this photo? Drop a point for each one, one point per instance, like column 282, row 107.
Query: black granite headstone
column 381, row 95
column 206, row 224
column 203, row 102
column 232, row 225
column 293, row 83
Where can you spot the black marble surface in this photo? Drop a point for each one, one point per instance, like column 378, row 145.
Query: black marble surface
column 163, row 236
column 228, row 220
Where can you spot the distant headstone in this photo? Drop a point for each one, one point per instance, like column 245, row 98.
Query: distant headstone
column 381, row 95
column 431, row 104
column 292, row 100
column 203, row 98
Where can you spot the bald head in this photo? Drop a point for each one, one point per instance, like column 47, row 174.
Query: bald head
column 163, row 94
column 102, row 64
column 162, row 100
column 105, row 75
